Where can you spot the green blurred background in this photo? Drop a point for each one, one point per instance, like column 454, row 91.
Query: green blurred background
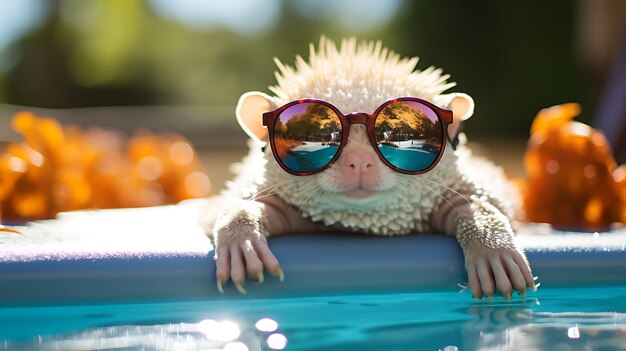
column 182, row 65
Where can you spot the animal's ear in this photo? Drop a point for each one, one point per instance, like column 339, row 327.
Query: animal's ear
column 249, row 111
column 462, row 106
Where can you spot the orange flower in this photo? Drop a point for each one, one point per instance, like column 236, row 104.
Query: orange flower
column 573, row 180
column 60, row 169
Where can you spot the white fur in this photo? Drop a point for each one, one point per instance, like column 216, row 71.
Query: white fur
column 356, row 78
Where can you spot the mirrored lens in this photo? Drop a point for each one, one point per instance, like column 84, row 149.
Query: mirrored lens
column 307, row 136
column 409, row 135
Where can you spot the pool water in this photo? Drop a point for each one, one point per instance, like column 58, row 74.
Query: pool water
column 411, row 158
column 310, row 157
column 313, row 156
column 585, row 318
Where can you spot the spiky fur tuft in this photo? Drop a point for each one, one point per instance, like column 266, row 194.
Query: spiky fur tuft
column 356, row 77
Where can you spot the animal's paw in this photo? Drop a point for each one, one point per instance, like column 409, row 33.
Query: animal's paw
column 241, row 255
column 490, row 270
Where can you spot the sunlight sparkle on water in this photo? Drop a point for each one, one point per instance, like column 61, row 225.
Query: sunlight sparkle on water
column 573, row 332
column 222, row 331
column 266, row 325
column 235, row 346
column 277, row 341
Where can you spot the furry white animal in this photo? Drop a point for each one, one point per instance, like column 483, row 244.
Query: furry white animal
column 461, row 196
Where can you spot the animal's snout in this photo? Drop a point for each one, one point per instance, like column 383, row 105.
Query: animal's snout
column 358, row 168
column 358, row 162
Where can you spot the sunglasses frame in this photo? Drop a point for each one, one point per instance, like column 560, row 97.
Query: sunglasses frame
column 369, row 120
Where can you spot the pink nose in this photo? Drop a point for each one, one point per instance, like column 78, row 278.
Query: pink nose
column 358, row 162
column 358, row 169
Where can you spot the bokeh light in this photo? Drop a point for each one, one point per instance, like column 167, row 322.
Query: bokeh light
column 358, row 15
column 277, row 341
column 63, row 168
column 266, row 325
column 181, row 153
column 18, row 17
column 249, row 17
column 235, row 346
column 573, row 333
column 220, row 331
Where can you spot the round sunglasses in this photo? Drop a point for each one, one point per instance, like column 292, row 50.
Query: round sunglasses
column 408, row 134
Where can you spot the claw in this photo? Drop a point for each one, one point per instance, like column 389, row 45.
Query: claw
column 9, row 230
column 240, row 288
column 535, row 278
column 219, row 287
column 260, row 278
column 536, row 286
column 281, row 275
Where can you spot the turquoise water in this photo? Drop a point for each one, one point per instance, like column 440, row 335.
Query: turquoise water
column 305, row 160
column 314, row 156
column 590, row 318
column 411, row 158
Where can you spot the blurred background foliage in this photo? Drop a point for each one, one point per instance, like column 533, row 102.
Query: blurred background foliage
column 514, row 58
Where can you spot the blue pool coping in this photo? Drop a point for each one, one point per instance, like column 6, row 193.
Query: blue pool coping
column 313, row 264
column 329, row 263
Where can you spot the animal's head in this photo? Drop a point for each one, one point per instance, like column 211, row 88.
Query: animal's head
column 354, row 79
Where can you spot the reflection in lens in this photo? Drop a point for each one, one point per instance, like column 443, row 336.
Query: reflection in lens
column 307, row 136
column 409, row 135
